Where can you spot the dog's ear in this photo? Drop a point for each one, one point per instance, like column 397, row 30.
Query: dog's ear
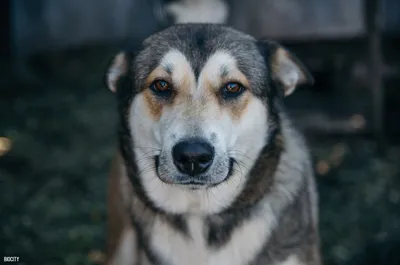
column 285, row 67
column 118, row 68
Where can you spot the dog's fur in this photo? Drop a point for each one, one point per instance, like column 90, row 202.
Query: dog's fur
column 262, row 209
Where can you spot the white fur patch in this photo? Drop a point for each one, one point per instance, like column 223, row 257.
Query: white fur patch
column 287, row 71
column 212, row 69
column 211, row 72
column 117, row 68
column 181, row 69
column 246, row 241
column 198, row 11
column 126, row 250
column 291, row 260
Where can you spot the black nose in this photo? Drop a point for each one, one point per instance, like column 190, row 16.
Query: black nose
column 193, row 157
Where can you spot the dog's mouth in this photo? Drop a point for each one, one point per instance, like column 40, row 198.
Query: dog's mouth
column 194, row 182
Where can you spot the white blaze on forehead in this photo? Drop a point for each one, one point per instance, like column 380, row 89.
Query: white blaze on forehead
column 181, row 71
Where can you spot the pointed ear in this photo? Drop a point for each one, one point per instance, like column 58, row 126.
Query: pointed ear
column 118, row 68
column 286, row 67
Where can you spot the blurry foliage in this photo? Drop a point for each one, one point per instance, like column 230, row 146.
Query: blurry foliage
column 53, row 180
column 359, row 199
column 63, row 135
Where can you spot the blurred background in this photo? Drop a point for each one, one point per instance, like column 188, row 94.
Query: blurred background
column 58, row 120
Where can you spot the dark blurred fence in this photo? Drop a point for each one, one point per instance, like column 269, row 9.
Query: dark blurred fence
column 288, row 19
column 48, row 24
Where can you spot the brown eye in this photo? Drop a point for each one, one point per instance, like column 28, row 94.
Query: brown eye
column 160, row 86
column 231, row 90
column 161, row 89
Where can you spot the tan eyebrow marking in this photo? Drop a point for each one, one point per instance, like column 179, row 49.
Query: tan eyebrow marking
column 176, row 70
column 219, row 69
column 222, row 68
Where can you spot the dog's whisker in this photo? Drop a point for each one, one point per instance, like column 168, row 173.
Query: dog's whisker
column 241, row 176
column 241, row 154
column 146, row 147
column 151, row 152
column 157, row 186
column 145, row 156
column 243, row 164
column 145, row 169
column 216, row 199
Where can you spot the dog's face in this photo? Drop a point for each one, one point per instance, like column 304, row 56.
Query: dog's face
column 199, row 111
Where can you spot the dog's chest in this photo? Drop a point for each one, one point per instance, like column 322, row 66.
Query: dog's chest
column 177, row 248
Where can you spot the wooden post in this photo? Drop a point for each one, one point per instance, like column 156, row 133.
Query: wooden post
column 373, row 18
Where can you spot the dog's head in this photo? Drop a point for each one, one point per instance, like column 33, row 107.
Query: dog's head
column 197, row 105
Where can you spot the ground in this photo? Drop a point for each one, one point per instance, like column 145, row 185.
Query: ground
column 60, row 120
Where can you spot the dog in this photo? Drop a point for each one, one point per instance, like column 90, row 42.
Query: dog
column 209, row 169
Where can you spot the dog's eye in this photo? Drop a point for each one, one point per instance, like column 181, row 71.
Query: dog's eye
column 160, row 86
column 233, row 89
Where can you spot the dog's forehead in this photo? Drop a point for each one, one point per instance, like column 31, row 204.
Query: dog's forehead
column 197, row 43
column 200, row 37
